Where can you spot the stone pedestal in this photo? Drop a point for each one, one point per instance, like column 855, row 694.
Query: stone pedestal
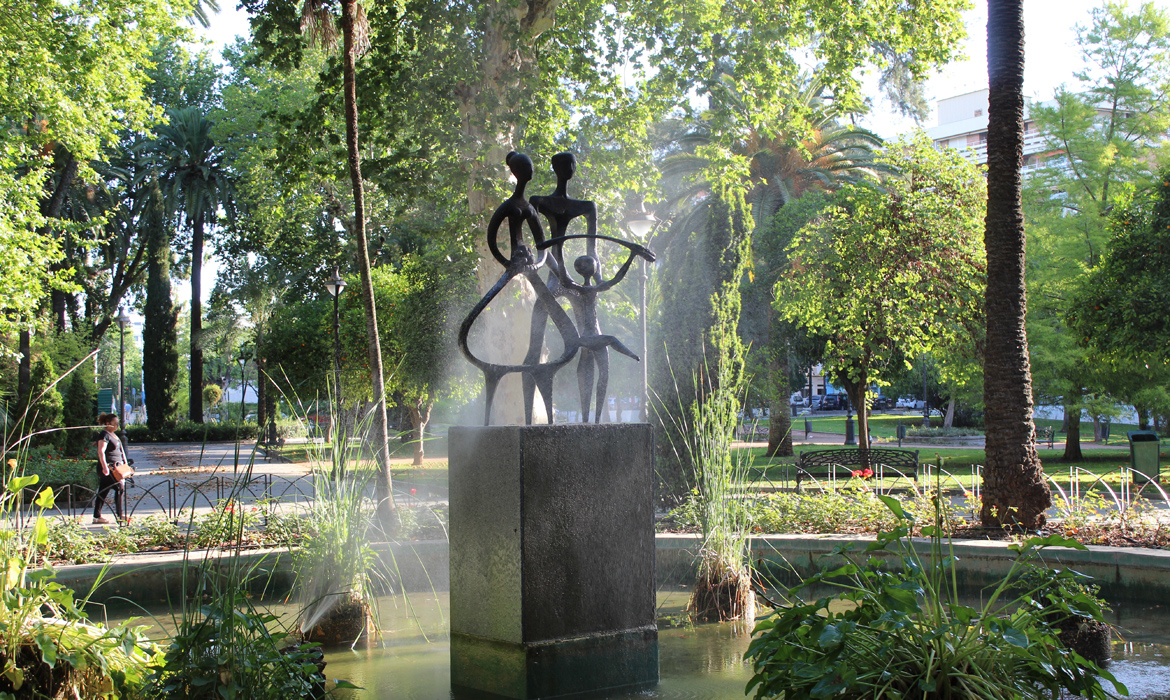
column 552, row 560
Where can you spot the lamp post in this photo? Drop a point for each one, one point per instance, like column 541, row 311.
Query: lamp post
column 335, row 286
column 243, row 388
column 123, row 321
column 925, row 398
column 641, row 223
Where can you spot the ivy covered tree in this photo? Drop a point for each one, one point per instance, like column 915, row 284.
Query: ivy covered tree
column 160, row 352
column 890, row 270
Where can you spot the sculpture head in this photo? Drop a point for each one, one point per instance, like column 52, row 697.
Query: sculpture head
column 586, row 266
column 520, row 165
column 564, row 165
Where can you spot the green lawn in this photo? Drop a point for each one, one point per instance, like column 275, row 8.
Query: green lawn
column 958, row 462
column 886, row 426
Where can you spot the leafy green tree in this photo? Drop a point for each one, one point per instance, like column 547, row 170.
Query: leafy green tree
column 1106, row 129
column 196, row 182
column 1119, row 308
column 890, row 271
column 44, row 408
column 420, row 305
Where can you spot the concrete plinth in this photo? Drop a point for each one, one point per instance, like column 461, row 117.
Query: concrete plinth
column 552, row 560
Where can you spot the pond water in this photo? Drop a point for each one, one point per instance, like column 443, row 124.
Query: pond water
column 697, row 662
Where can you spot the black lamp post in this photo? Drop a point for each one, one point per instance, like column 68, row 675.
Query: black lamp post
column 335, row 286
column 243, row 388
column 123, row 321
column 641, row 223
column 925, row 398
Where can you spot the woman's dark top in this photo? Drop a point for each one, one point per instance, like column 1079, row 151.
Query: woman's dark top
column 113, row 447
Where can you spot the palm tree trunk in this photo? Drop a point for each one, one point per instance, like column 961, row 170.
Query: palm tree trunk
column 780, row 412
column 1072, row 439
column 380, row 445
column 195, row 402
column 1014, row 490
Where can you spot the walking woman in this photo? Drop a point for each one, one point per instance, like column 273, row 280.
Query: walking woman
column 110, row 455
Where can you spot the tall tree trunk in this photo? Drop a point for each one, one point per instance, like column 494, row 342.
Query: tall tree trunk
column 780, row 411
column 51, row 207
column 856, row 391
column 1072, row 439
column 511, row 32
column 24, row 371
column 1014, row 490
column 420, row 415
column 381, row 446
column 195, row 401
column 949, row 421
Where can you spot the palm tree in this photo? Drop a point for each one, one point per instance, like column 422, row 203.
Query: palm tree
column 196, row 182
column 782, row 167
column 1014, row 490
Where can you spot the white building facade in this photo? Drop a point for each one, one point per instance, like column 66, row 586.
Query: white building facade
column 962, row 125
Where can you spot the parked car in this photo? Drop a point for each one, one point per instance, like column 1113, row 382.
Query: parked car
column 910, row 402
column 881, row 403
column 834, row 402
column 797, row 399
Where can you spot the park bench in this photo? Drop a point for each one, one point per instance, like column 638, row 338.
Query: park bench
column 829, row 465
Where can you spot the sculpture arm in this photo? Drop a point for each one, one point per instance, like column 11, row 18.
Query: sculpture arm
column 493, row 233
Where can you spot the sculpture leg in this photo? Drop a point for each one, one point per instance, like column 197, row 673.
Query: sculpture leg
column 544, row 382
column 535, row 346
column 490, row 382
column 602, row 359
column 585, row 381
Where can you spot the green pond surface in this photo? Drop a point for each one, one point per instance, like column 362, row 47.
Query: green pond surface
column 412, row 661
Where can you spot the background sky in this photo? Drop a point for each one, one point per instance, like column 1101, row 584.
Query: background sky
column 1051, row 58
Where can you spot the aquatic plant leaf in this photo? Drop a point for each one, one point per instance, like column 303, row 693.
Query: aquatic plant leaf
column 19, row 482
column 45, row 498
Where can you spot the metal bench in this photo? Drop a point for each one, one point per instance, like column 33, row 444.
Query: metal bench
column 831, row 464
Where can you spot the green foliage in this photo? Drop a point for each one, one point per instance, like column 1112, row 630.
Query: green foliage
column 45, row 408
column 892, row 270
column 80, row 400
column 1117, row 310
column 110, row 355
column 699, row 321
column 193, row 432
column 53, row 468
column 229, row 649
column 160, row 353
column 901, row 631
column 50, row 648
column 212, row 394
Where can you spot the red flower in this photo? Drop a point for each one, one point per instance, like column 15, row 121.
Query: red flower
column 867, row 473
column 857, row 474
column 413, row 491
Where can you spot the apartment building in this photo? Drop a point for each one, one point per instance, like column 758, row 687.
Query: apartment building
column 962, row 124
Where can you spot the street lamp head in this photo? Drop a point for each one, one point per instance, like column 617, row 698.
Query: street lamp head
column 640, row 223
column 336, row 285
column 123, row 318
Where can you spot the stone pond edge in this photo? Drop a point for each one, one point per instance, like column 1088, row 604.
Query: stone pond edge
column 1130, row 573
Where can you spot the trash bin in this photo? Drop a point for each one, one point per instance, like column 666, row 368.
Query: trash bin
column 1143, row 452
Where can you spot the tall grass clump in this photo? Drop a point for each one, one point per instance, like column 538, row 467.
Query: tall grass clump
column 335, row 568
column 227, row 646
column 702, row 435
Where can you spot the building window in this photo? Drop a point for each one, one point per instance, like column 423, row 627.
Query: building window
column 979, row 113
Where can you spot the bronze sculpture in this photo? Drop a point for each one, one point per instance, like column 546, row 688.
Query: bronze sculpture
column 560, row 209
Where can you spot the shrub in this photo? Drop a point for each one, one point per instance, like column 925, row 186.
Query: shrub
column 902, row 632
column 942, row 432
column 54, row 469
column 192, row 432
